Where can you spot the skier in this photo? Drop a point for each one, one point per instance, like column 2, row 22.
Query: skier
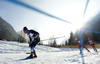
column 32, row 35
column 91, row 42
column 78, row 42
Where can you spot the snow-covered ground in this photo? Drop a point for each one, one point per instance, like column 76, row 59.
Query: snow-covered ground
column 14, row 52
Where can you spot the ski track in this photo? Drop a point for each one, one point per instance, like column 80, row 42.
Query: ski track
column 13, row 53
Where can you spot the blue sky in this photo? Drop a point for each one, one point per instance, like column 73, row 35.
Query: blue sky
column 70, row 10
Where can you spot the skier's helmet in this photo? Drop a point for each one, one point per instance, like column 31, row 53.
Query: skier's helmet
column 25, row 28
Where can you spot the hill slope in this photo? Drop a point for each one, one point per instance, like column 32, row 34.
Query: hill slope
column 7, row 31
column 13, row 52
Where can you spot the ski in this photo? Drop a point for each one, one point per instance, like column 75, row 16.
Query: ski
column 28, row 53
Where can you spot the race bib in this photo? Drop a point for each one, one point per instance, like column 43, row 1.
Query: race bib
column 79, row 42
column 91, row 42
column 30, row 35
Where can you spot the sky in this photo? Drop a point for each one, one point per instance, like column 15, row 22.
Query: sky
column 69, row 10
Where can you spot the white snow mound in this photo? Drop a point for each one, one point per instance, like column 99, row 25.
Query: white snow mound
column 14, row 53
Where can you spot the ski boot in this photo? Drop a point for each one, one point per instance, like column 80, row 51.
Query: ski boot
column 31, row 56
column 35, row 56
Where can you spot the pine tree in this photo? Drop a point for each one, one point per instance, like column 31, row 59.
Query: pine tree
column 85, row 38
column 71, row 39
column 22, row 36
column 66, row 42
column 94, row 37
column 54, row 43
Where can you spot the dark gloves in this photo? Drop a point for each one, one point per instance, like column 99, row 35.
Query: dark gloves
column 29, row 45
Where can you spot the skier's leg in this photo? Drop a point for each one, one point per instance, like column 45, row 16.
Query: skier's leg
column 86, row 48
column 94, row 47
column 31, row 55
column 34, row 43
column 80, row 48
column 33, row 52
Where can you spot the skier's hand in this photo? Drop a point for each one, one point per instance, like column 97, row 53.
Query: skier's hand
column 29, row 45
column 38, row 37
column 29, row 42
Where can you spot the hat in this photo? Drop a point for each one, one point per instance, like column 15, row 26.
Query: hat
column 25, row 28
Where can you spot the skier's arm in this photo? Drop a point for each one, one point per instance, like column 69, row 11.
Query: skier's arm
column 88, row 43
column 30, row 40
column 93, row 41
column 76, row 42
column 36, row 34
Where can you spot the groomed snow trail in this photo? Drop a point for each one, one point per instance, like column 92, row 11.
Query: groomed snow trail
column 14, row 52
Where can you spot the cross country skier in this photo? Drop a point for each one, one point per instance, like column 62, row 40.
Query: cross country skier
column 32, row 35
column 91, row 42
column 78, row 42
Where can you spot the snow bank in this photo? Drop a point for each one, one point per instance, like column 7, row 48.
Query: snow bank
column 13, row 52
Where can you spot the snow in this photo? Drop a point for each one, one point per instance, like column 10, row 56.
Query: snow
column 13, row 52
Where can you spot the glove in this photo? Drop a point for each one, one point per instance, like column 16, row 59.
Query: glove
column 29, row 45
column 29, row 42
column 35, row 36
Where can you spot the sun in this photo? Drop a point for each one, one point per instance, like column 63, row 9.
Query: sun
column 77, row 25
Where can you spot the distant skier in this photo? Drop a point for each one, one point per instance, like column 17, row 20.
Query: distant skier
column 91, row 42
column 78, row 42
column 32, row 35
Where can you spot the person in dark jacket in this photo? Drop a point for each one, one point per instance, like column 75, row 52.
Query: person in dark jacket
column 34, row 39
